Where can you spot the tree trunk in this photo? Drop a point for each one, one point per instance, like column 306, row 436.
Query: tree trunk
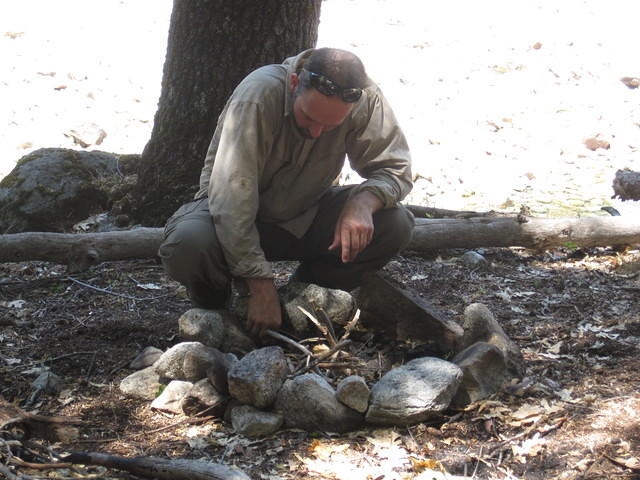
column 212, row 46
column 81, row 250
column 626, row 185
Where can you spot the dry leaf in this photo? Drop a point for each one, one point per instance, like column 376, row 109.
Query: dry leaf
column 421, row 465
column 529, row 448
column 596, row 143
column 631, row 82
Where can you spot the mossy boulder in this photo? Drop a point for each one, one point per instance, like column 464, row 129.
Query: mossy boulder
column 51, row 189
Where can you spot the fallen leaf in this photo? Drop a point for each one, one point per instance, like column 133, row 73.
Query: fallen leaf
column 421, row 465
column 529, row 448
column 631, row 82
column 596, row 143
column 13, row 35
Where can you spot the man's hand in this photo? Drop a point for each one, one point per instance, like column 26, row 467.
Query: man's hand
column 264, row 306
column 354, row 229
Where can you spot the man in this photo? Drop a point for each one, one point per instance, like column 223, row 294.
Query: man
column 266, row 188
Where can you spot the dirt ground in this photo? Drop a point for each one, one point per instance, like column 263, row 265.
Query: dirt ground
column 574, row 415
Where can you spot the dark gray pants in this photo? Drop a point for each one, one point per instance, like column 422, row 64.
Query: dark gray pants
column 192, row 255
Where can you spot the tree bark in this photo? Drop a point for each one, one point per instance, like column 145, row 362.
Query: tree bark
column 81, row 250
column 626, row 185
column 212, row 46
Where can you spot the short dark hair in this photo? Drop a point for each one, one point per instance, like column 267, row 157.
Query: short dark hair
column 340, row 66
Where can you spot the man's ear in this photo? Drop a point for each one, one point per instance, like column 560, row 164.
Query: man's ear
column 295, row 80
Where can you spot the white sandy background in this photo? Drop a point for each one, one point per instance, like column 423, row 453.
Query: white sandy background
column 496, row 97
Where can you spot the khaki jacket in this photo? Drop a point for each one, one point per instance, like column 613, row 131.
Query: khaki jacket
column 259, row 167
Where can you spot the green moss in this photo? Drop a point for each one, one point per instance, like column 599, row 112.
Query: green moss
column 12, row 180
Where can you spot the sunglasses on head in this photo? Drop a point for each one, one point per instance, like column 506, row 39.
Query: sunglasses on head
column 329, row 88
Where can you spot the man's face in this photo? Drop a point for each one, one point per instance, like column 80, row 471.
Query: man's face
column 316, row 113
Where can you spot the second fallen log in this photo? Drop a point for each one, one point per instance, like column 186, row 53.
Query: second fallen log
column 537, row 233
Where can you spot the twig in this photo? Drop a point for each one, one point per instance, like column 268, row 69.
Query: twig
column 38, row 466
column 615, row 461
column 321, row 357
column 322, row 328
column 122, row 295
column 351, row 325
column 329, row 324
column 279, row 336
column 93, row 360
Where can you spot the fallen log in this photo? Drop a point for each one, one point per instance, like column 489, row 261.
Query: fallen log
column 161, row 468
column 626, row 185
column 528, row 232
column 79, row 250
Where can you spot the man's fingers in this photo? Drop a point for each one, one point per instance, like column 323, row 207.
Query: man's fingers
column 346, row 245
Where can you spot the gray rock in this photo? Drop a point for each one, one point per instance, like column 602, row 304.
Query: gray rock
column 354, row 393
column 170, row 400
column 481, row 326
column 201, row 325
column 253, row 423
column 204, row 398
column 310, row 403
column 484, row 370
column 218, row 373
column 48, row 382
column 256, row 378
column 146, row 358
column 473, row 259
column 413, row 392
column 386, row 307
column 187, row 361
column 51, row 189
column 236, row 340
column 144, row 384
column 337, row 304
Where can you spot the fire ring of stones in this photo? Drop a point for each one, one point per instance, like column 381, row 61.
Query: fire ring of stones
column 218, row 370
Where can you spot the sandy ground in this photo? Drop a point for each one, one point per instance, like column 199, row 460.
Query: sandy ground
column 496, row 97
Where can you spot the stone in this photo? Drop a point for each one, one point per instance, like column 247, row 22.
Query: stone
column 146, row 358
column 354, row 392
column 204, row 399
column 144, row 384
column 337, row 304
column 473, row 259
column 481, row 326
column 51, row 189
column 187, row 361
column 218, row 373
column 170, row 400
column 201, row 325
column 310, row 403
column 48, row 382
column 389, row 308
column 236, row 340
column 256, row 378
column 253, row 423
column 484, row 370
column 413, row 392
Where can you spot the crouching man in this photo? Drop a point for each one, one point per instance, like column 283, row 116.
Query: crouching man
column 267, row 186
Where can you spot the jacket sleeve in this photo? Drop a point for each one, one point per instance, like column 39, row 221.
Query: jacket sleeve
column 242, row 146
column 378, row 151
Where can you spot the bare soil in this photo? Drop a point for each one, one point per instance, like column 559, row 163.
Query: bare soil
column 575, row 414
